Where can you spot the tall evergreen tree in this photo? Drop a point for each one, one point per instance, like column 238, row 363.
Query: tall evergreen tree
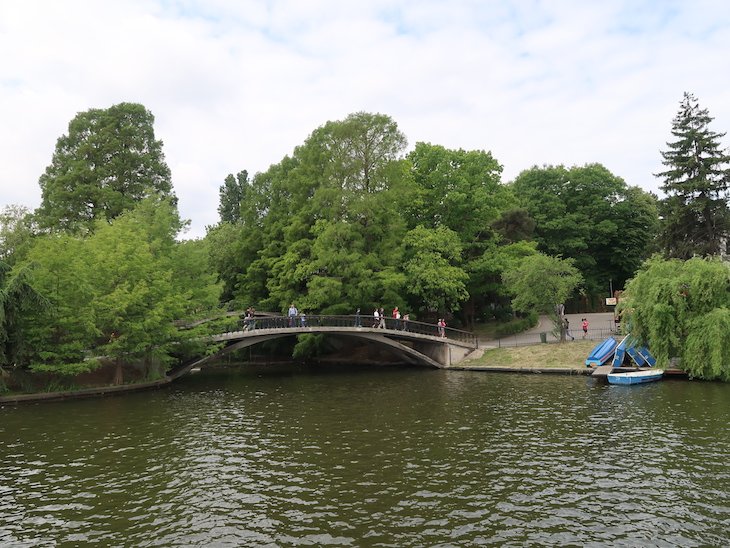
column 696, row 218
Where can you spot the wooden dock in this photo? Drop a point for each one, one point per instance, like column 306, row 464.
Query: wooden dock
column 602, row 371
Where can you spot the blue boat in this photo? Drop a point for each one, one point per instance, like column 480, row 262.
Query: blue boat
column 620, row 353
column 636, row 377
column 601, row 353
column 636, row 356
column 648, row 358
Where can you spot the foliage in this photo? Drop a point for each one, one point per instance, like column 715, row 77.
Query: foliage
column 517, row 325
column 16, row 233
column 323, row 227
column 232, row 195
column 680, row 309
column 591, row 216
column 697, row 179
column 540, row 282
column 433, row 274
column 116, row 292
column 108, row 162
column 707, row 353
column 18, row 296
column 460, row 190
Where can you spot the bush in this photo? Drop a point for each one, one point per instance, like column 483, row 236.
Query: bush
column 517, row 325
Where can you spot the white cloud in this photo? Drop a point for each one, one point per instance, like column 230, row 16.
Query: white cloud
column 237, row 85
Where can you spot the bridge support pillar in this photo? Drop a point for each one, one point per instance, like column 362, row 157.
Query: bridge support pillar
column 442, row 352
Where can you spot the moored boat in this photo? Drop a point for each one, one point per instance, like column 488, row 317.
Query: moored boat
column 636, row 377
column 602, row 352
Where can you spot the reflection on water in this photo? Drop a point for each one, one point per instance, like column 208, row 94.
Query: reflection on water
column 376, row 457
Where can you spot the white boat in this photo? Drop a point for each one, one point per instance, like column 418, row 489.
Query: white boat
column 636, row 377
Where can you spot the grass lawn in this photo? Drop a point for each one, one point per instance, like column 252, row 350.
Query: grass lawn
column 570, row 354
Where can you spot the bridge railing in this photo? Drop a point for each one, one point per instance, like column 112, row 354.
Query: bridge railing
column 353, row 321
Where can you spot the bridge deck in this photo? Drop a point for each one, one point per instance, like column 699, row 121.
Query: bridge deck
column 415, row 342
column 343, row 330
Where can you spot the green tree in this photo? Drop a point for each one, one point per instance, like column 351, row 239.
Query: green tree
column 16, row 233
column 461, row 190
column 108, row 162
column 232, row 194
column 682, row 309
column 591, row 216
column 116, row 292
column 136, row 299
column 433, row 274
column 61, row 333
column 17, row 297
column 696, row 217
column 540, row 282
column 322, row 227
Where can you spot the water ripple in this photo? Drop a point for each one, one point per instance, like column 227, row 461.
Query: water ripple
column 383, row 458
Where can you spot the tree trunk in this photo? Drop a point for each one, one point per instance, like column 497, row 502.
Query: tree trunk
column 118, row 376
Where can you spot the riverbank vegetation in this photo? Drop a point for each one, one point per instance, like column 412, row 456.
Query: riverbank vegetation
column 351, row 219
column 681, row 309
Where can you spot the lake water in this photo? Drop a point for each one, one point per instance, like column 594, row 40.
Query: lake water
column 342, row 456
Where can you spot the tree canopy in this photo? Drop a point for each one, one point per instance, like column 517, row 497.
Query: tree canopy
column 682, row 309
column 539, row 283
column 108, row 162
column 116, row 292
column 696, row 217
column 591, row 216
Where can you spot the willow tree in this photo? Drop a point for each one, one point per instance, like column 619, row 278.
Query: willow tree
column 682, row 309
column 17, row 297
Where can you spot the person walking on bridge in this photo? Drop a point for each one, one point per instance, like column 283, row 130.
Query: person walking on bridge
column 293, row 313
column 396, row 317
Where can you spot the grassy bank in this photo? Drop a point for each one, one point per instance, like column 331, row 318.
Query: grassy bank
column 567, row 355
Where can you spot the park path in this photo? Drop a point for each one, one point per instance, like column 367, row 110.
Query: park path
column 600, row 326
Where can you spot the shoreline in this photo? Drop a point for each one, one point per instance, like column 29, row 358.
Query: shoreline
column 536, row 359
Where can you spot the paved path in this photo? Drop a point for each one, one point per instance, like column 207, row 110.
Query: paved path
column 600, row 326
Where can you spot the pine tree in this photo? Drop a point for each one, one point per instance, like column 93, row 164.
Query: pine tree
column 696, row 217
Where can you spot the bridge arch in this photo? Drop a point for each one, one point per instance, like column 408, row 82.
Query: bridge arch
column 416, row 343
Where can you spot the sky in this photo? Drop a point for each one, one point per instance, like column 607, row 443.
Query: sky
column 238, row 84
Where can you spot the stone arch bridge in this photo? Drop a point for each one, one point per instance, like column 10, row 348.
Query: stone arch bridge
column 414, row 342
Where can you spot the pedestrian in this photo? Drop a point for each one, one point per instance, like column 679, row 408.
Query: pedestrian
column 567, row 329
column 396, row 317
column 303, row 318
column 442, row 327
column 406, row 319
column 357, row 318
column 376, row 318
column 252, row 318
column 293, row 312
column 381, row 312
column 247, row 319
column 584, row 325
